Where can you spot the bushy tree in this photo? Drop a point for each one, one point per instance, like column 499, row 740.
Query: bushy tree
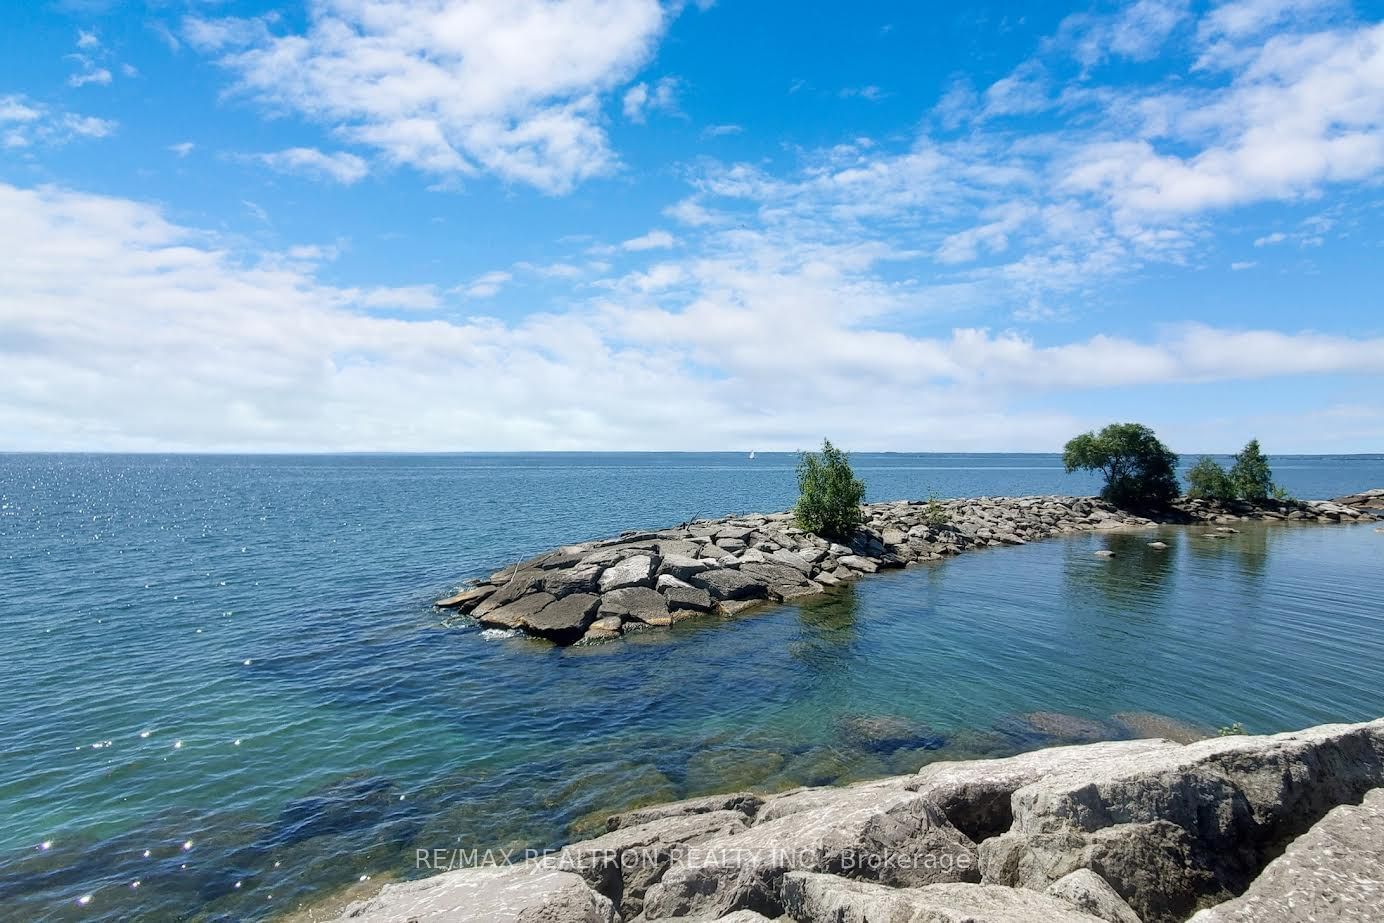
column 1139, row 470
column 829, row 493
column 1209, row 481
column 1251, row 475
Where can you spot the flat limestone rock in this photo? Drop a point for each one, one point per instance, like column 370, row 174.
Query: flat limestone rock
column 506, row 894
column 683, row 566
column 744, row 802
column 899, row 838
column 1333, row 872
column 517, row 613
column 688, row 598
column 817, row 898
column 565, row 617
column 639, row 603
column 631, row 572
column 466, row 600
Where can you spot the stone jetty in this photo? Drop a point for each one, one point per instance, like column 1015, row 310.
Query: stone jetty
column 598, row 590
column 1286, row 828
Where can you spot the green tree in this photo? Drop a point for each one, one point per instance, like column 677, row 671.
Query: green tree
column 1251, row 475
column 1139, row 470
column 1209, row 481
column 829, row 493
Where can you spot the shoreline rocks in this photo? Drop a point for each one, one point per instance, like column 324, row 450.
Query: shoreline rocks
column 1284, row 828
column 601, row 589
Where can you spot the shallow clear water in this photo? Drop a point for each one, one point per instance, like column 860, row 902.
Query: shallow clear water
column 240, row 654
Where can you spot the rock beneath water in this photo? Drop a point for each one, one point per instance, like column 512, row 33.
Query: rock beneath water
column 744, row 802
column 1333, row 872
column 688, row 598
column 1180, row 828
column 638, row 603
column 726, row 584
column 637, row 571
column 1065, row 728
column 899, row 838
column 566, row 618
column 887, row 733
column 1158, row 545
column 1090, row 893
column 507, row 894
column 1148, row 724
column 817, row 898
column 1104, row 553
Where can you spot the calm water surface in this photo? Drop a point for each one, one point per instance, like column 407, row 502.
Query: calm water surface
column 223, row 679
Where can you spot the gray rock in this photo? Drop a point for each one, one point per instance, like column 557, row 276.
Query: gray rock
column 899, row 838
column 506, row 894
column 637, row 602
column 688, row 599
column 1175, row 829
column 795, row 560
column 817, row 898
column 566, row 618
column 1334, row 872
column 466, row 600
column 668, row 582
column 608, row 623
column 857, row 563
column 683, row 567
column 631, row 572
column 623, row 863
column 1090, row 893
column 726, row 584
column 515, row 614
column 518, row 585
column 783, row 581
column 580, row 579
column 744, row 802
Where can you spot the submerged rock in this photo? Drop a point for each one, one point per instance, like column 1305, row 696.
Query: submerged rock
column 887, row 733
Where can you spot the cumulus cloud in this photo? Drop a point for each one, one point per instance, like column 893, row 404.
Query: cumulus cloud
column 338, row 166
column 451, row 87
column 656, row 239
column 642, row 99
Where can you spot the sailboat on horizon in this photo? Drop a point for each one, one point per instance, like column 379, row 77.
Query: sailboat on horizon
column 751, row 454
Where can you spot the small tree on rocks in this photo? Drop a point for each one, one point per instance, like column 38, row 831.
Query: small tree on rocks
column 829, row 493
column 1251, row 475
column 1209, row 481
column 1139, row 470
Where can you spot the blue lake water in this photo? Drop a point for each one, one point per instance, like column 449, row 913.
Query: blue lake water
column 223, row 678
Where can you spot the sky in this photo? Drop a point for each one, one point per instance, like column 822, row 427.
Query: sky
column 495, row 225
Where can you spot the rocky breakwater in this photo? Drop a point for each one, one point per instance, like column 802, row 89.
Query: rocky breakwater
column 1282, row 828
column 598, row 590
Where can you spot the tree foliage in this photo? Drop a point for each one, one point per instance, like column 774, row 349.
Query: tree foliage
column 1140, row 471
column 1209, row 481
column 1251, row 475
column 829, row 493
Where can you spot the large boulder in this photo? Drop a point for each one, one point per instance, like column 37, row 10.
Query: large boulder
column 515, row 614
column 975, row 794
column 1185, row 827
column 564, row 619
column 896, row 837
column 506, row 894
column 1090, row 893
column 624, row 863
column 637, row 570
column 817, row 898
column 638, row 603
column 726, row 584
column 1334, row 872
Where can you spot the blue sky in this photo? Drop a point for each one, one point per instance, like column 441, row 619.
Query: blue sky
column 624, row 224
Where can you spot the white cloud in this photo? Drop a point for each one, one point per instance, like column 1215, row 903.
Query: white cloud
column 182, row 148
column 869, row 92
column 1277, row 237
column 453, row 87
column 109, row 308
column 643, row 98
column 87, row 40
column 97, row 75
column 486, row 285
column 721, row 131
column 337, row 166
column 1138, row 31
column 1242, row 265
column 25, row 123
column 656, row 239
